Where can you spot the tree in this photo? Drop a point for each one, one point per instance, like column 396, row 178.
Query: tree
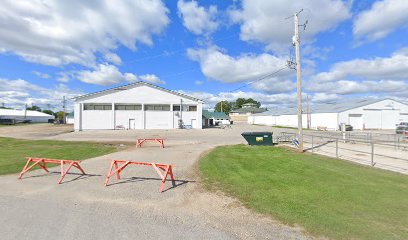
column 241, row 101
column 60, row 115
column 226, row 107
column 34, row 108
column 48, row 112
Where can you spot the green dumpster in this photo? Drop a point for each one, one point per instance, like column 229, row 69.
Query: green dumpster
column 258, row 138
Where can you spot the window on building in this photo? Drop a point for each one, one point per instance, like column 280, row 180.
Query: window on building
column 176, row 107
column 157, row 107
column 97, row 106
column 192, row 108
column 128, row 107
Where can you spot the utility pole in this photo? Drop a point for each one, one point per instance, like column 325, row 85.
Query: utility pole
column 25, row 111
column 299, row 83
column 63, row 106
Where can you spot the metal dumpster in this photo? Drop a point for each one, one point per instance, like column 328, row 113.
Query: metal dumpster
column 258, row 138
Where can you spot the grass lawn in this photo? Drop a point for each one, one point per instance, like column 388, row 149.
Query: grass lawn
column 13, row 151
column 328, row 197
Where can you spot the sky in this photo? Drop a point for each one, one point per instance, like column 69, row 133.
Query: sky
column 213, row 50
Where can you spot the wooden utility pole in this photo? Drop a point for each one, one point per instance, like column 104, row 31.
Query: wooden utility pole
column 63, row 106
column 299, row 83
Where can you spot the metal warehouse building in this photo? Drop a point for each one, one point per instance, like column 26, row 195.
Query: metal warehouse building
column 25, row 115
column 363, row 114
column 138, row 105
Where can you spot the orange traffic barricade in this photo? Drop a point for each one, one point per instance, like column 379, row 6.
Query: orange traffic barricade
column 140, row 141
column 117, row 166
column 43, row 161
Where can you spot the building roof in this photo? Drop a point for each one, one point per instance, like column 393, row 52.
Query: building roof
column 133, row 85
column 208, row 114
column 249, row 109
column 22, row 113
column 332, row 107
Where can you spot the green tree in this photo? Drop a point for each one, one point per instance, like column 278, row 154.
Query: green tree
column 60, row 115
column 241, row 101
column 225, row 106
column 34, row 108
column 48, row 112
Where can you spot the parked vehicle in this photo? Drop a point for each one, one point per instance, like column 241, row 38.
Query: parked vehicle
column 401, row 128
column 347, row 127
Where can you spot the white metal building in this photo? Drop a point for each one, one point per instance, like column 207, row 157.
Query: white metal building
column 22, row 115
column 363, row 114
column 138, row 105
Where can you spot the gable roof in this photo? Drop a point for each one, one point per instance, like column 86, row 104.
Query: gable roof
column 133, row 85
column 334, row 107
column 22, row 113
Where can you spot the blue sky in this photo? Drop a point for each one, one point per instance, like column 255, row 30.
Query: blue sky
column 350, row 49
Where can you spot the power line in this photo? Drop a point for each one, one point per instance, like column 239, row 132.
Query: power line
column 252, row 82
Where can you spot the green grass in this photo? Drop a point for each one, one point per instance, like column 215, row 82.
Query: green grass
column 328, row 197
column 13, row 151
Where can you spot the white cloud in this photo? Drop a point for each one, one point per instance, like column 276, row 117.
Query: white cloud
column 24, row 92
column 393, row 67
column 264, row 20
column 267, row 100
column 247, row 67
column 151, row 78
column 198, row 19
column 105, row 74
column 61, row 32
column 41, row 75
column 353, row 87
column 113, row 58
column 381, row 19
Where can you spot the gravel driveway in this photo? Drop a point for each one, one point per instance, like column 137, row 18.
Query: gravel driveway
column 83, row 208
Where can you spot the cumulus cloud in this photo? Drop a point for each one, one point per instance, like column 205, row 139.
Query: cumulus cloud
column 197, row 19
column 151, row 78
column 41, row 74
column 264, row 20
column 324, row 97
column 219, row 66
column 113, row 58
column 62, row 32
column 393, row 67
column 17, row 93
column 381, row 19
column 105, row 74
column 354, row 87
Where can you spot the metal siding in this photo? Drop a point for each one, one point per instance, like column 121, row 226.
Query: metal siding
column 372, row 119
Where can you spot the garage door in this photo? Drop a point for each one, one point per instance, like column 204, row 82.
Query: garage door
column 356, row 120
column 158, row 120
column 372, row 119
column 390, row 118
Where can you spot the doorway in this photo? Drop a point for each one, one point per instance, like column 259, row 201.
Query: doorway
column 132, row 124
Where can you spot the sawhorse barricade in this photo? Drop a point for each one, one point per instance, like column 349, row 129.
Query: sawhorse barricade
column 43, row 161
column 140, row 141
column 119, row 165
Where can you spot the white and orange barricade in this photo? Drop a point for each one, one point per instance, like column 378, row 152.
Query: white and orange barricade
column 140, row 141
column 42, row 162
column 163, row 170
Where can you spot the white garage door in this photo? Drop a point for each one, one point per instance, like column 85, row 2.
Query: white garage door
column 158, row 120
column 389, row 118
column 372, row 119
column 356, row 120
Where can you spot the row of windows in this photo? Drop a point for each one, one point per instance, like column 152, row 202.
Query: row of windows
column 150, row 107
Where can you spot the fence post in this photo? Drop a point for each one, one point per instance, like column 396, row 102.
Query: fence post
column 337, row 148
column 372, row 154
column 312, row 144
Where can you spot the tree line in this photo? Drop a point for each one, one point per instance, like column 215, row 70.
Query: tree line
column 227, row 107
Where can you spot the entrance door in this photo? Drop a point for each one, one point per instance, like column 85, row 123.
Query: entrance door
column 193, row 123
column 132, row 124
